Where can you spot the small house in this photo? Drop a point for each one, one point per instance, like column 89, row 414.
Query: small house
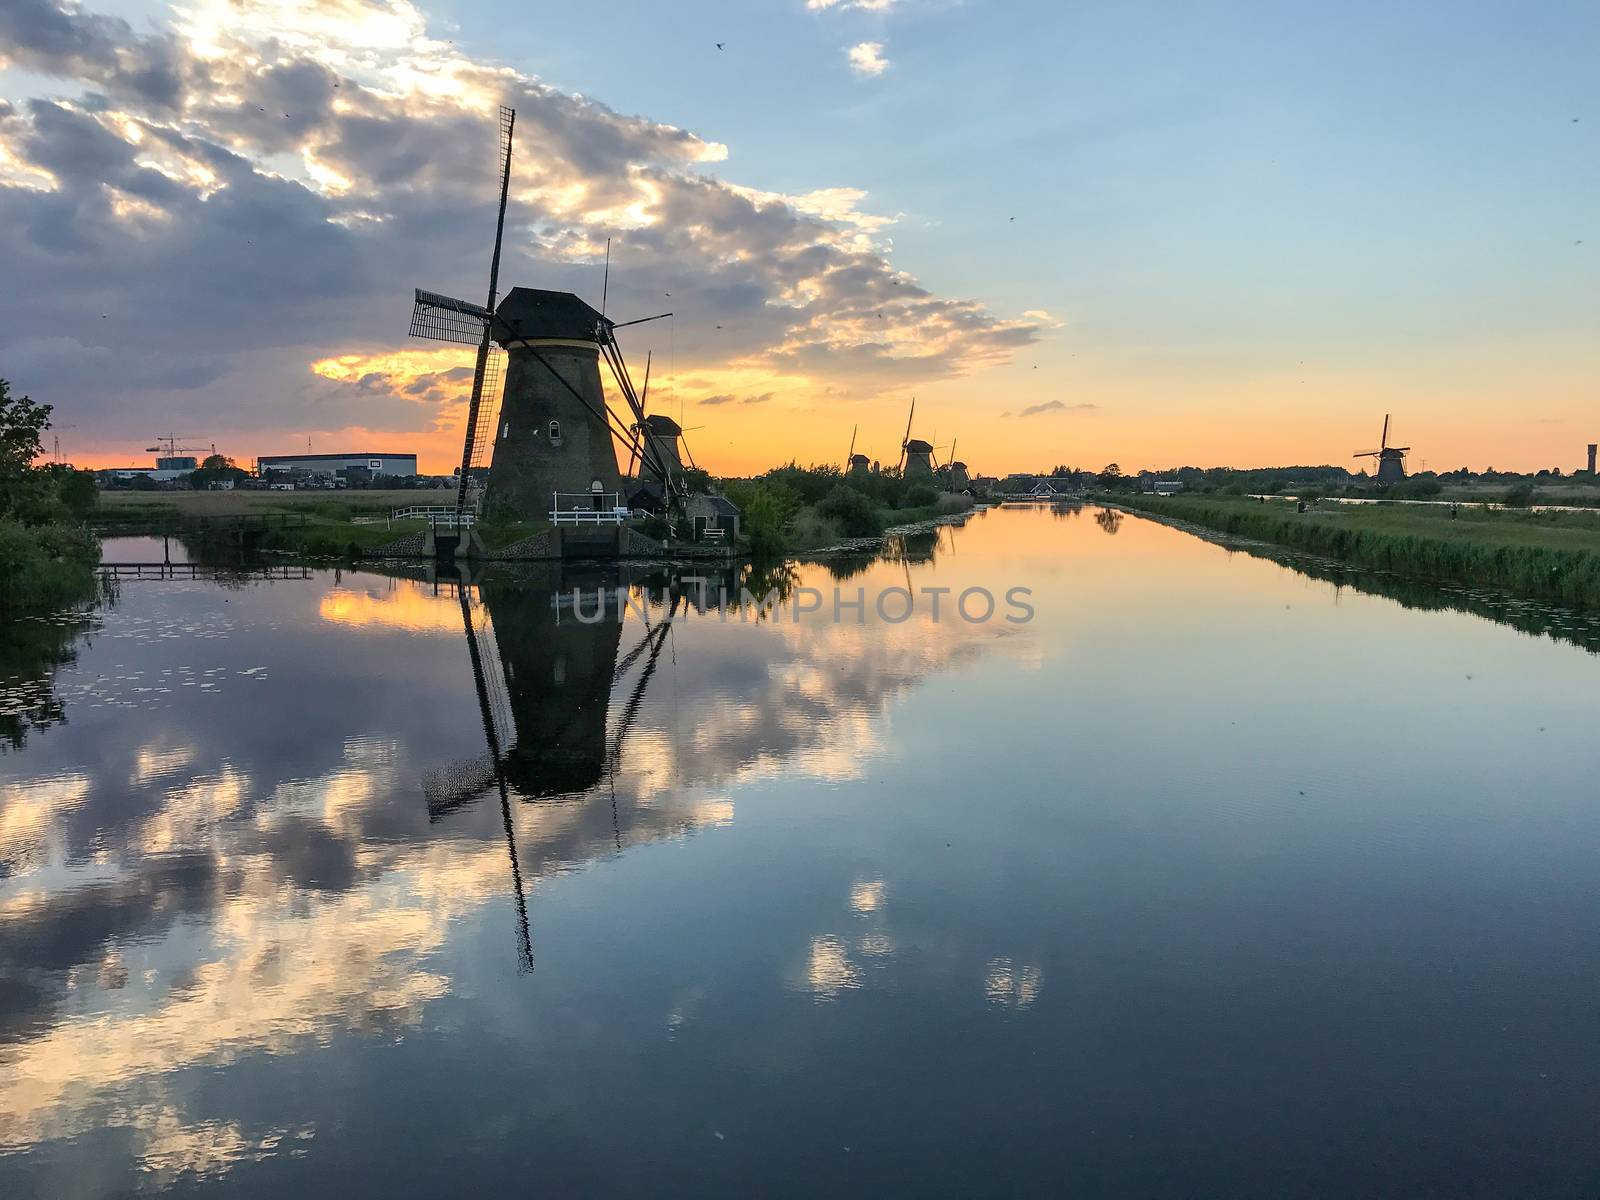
column 712, row 518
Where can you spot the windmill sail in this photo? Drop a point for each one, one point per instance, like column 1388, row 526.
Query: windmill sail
column 475, row 407
column 446, row 319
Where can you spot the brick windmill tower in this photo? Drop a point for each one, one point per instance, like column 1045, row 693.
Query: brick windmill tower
column 554, row 435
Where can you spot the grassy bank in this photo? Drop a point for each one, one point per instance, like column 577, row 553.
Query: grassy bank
column 1548, row 556
column 44, row 567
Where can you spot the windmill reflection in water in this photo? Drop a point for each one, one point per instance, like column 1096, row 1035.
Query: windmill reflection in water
column 543, row 681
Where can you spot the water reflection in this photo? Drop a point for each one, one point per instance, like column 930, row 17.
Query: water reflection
column 32, row 650
column 1534, row 617
column 191, row 896
column 695, row 864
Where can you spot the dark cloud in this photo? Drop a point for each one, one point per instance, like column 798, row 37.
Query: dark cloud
column 51, row 39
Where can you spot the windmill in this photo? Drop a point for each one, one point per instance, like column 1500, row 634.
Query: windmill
column 856, row 464
column 666, row 438
column 916, row 456
column 553, row 433
column 1391, row 459
column 956, row 471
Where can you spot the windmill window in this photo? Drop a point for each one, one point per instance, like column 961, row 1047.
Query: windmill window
column 505, row 430
column 555, row 433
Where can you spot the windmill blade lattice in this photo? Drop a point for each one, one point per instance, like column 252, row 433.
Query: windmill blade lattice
column 447, row 319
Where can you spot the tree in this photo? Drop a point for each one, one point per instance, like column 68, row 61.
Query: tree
column 26, row 493
column 22, row 426
column 1110, row 476
column 77, row 489
column 217, row 468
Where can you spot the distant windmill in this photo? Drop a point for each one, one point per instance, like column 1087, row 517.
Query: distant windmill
column 1391, row 459
column 857, row 465
column 956, row 471
column 916, row 455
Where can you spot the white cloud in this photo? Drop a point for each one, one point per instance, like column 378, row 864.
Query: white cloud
column 868, row 59
column 864, row 5
column 285, row 192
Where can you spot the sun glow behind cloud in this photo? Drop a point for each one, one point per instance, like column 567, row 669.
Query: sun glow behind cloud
column 317, row 155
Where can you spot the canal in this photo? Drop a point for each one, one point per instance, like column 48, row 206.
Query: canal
column 1193, row 870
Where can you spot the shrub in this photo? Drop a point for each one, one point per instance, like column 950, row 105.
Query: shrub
column 764, row 510
column 853, row 513
column 1416, row 489
column 810, row 530
column 920, row 496
column 1520, row 496
column 44, row 566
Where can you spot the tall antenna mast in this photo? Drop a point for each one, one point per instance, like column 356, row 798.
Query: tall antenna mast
column 508, row 121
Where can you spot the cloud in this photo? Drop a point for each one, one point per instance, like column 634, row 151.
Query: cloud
column 1034, row 410
column 729, row 398
column 250, row 196
column 867, row 58
column 841, row 5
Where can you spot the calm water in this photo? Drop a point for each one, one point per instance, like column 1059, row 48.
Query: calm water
column 1214, row 879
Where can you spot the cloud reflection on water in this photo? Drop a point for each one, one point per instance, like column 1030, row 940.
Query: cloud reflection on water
column 193, row 898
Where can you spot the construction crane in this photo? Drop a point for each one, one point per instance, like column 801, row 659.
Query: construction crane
column 172, row 449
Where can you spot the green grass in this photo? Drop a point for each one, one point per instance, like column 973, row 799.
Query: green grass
column 325, row 537
column 1549, row 556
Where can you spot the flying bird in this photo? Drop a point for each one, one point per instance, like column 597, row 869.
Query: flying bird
column 720, row 46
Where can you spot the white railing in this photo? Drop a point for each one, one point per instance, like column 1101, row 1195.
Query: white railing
column 587, row 508
column 588, row 516
column 433, row 514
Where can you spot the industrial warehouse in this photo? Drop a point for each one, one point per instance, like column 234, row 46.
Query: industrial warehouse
column 364, row 466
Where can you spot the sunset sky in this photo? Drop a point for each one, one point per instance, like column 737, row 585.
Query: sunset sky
column 1160, row 234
